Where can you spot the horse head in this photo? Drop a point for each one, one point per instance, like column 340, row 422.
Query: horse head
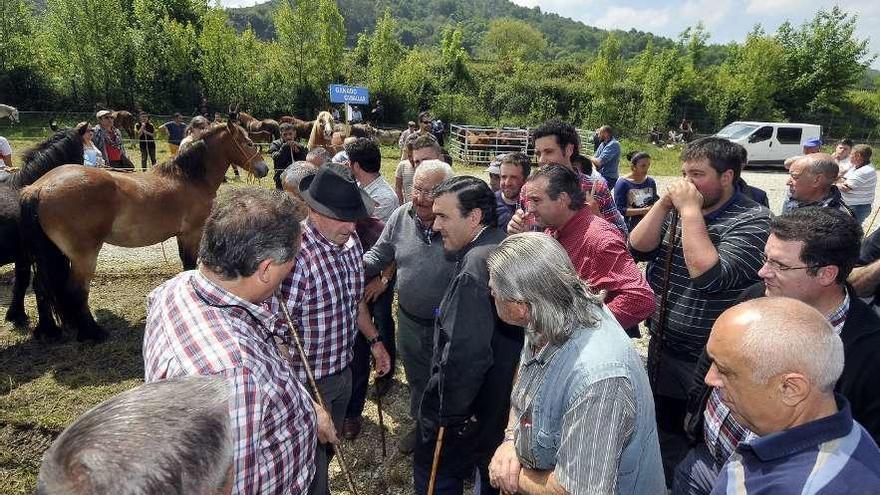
column 326, row 124
column 243, row 152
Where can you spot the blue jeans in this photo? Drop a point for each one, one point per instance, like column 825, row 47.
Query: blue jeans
column 449, row 485
column 696, row 474
column 861, row 212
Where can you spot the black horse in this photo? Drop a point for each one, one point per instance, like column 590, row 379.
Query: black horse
column 63, row 147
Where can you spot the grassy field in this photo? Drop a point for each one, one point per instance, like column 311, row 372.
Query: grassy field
column 43, row 388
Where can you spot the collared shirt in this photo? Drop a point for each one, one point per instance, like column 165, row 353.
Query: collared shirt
column 830, row 455
column 504, row 209
column 598, row 188
column 721, row 430
column 383, row 194
column 322, row 293
column 832, row 200
column 585, row 458
column 598, row 253
column 194, row 327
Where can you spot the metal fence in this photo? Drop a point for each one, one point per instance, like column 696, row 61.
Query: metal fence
column 477, row 145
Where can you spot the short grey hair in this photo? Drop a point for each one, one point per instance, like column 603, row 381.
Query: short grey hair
column 434, row 166
column 823, row 164
column 318, row 153
column 534, row 268
column 296, row 172
column 170, row 436
column 789, row 336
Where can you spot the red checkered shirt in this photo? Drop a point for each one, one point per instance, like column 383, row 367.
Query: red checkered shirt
column 598, row 253
column 607, row 209
column 322, row 293
column 194, row 327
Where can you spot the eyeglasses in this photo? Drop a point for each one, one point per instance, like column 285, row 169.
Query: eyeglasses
column 423, row 193
column 779, row 267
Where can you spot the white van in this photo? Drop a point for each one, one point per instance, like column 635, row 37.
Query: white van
column 770, row 143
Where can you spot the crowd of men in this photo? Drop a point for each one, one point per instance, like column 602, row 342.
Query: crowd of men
column 514, row 314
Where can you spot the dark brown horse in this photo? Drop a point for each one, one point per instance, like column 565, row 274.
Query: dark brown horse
column 63, row 147
column 69, row 213
column 125, row 121
column 303, row 127
column 261, row 131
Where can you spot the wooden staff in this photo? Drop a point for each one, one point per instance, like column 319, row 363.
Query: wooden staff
column 664, row 297
column 437, row 448
column 381, row 422
column 302, row 354
column 871, row 224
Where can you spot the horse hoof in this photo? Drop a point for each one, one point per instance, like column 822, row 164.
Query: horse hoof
column 18, row 318
column 95, row 335
column 48, row 332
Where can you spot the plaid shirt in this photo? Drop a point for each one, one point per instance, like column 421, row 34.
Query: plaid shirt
column 602, row 195
column 322, row 293
column 721, row 430
column 195, row 327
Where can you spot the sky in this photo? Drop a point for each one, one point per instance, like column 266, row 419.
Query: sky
column 726, row 20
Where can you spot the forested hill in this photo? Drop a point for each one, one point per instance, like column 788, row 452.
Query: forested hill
column 421, row 23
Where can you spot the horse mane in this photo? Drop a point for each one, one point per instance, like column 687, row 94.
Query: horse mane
column 316, row 137
column 190, row 164
column 61, row 148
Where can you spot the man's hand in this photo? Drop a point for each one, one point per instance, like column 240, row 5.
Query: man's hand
column 326, row 430
column 381, row 358
column 684, row 196
column 517, row 222
column 374, row 289
column 504, row 468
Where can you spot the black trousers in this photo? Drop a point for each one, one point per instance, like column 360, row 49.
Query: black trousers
column 147, row 148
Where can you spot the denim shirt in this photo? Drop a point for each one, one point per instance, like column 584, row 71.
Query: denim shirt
column 591, row 355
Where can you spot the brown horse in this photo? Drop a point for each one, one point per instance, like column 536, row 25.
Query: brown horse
column 322, row 131
column 125, row 121
column 69, row 213
column 303, row 127
column 261, row 131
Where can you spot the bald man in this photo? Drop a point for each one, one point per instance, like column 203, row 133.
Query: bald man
column 811, row 181
column 775, row 363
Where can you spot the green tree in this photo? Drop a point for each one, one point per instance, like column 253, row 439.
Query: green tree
column 22, row 66
column 513, row 39
column 385, row 53
column 822, row 60
column 218, row 45
column 453, row 59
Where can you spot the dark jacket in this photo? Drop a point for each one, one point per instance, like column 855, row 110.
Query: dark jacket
column 284, row 154
column 758, row 195
column 858, row 382
column 472, row 369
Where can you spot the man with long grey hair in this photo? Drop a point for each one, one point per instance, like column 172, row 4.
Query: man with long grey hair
column 595, row 428
column 171, row 436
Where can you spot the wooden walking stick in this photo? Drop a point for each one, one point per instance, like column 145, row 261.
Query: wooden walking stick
column 664, row 298
column 437, row 448
column 381, row 422
column 302, row 354
column 871, row 224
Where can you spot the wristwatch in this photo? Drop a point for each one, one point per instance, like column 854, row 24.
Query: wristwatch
column 373, row 341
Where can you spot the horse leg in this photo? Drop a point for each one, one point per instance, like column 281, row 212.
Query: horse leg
column 46, row 328
column 188, row 248
column 16, row 314
column 76, row 302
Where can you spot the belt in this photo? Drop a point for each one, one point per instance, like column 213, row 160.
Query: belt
column 425, row 322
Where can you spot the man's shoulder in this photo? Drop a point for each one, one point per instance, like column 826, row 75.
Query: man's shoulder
column 744, row 211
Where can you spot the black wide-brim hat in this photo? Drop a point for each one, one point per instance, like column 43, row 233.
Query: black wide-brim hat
column 332, row 195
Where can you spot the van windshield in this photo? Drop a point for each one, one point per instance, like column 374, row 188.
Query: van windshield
column 736, row 131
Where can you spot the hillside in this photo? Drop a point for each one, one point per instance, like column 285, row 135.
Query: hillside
column 420, row 23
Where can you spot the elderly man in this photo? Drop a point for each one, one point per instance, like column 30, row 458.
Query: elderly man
column 214, row 321
column 809, row 255
column 775, row 362
column 324, row 295
column 419, row 147
column 285, row 151
column 558, row 142
column 108, row 139
column 475, row 353
column 580, row 382
column 513, row 170
column 607, row 158
column 858, row 185
column 318, row 157
column 712, row 256
column 811, row 183
column 170, row 436
column 595, row 247
column 409, row 245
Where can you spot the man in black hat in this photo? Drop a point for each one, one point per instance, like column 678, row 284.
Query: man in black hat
column 324, row 295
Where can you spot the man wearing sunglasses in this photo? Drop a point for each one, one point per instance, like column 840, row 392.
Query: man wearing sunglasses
column 809, row 255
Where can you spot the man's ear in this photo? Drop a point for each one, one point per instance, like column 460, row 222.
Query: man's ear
column 475, row 216
column 794, row 388
column 569, row 151
column 263, row 270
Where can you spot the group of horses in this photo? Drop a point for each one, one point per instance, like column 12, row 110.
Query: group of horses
column 55, row 215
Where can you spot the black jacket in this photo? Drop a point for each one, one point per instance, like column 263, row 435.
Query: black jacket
column 475, row 358
column 859, row 382
column 284, row 154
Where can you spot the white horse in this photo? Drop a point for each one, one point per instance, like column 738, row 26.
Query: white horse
column 8, row 111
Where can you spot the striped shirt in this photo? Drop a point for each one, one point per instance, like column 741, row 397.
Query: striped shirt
column 322, row 293
column 831, row 455
column 595, row 428
column 194, row 327
column 738, row 230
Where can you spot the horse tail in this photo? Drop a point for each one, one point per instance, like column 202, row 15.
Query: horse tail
column 51, row 265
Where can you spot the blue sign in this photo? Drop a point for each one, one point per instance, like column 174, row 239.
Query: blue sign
column 354, row 95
